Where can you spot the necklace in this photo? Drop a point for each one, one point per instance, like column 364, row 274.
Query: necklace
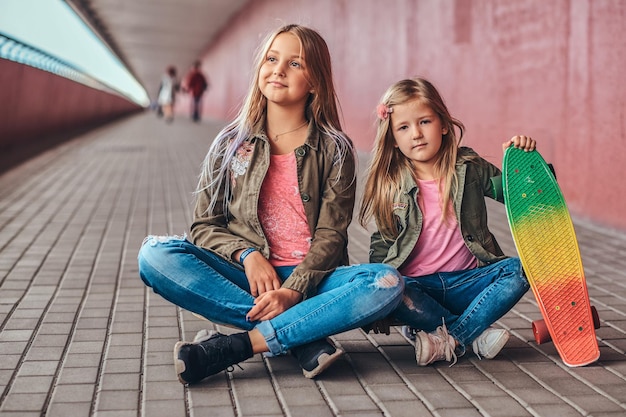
column 275, row 138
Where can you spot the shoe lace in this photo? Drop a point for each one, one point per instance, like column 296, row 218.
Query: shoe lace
column 220, row 353
column 231, row 368
column 444, row 344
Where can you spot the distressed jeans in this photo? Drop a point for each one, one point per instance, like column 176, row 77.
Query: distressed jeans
column 467, row 301
column 205, row 283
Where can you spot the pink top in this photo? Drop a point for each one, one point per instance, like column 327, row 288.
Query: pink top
column 440, row 246
column 282, row 214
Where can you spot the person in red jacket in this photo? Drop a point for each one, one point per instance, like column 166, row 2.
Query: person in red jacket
column 197, row 84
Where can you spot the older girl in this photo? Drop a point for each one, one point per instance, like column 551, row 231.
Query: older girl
column 269, row 235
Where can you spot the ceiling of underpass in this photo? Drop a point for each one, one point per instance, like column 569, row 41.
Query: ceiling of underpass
column 149, row 35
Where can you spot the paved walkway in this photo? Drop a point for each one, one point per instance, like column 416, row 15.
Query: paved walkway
column 81, row 336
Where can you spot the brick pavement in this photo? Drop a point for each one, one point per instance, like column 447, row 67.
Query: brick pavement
column 81, row 336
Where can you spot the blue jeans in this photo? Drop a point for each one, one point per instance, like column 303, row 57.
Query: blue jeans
column 468, row 301
column 207, row 284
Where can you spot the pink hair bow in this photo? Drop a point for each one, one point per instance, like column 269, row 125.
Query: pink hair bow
column 383, row 111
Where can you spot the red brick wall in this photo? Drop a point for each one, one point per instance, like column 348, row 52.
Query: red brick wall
column 550, row 69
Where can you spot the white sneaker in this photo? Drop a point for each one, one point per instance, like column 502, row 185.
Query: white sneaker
column 490, row 342
column 436, row 346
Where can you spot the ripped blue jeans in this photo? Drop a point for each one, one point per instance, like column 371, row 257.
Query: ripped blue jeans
column 205, row 283
column 468, row 301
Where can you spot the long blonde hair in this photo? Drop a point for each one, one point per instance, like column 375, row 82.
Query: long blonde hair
column 321, row 108
column 388, row 166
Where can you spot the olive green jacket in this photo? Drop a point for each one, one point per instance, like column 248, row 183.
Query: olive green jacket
column 469, row 206
column 327, row 195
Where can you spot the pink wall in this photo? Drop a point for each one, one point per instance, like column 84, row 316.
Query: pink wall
column 550, row 69
column 37, row 103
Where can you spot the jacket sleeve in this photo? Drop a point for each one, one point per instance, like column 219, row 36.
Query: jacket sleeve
column 209, row 229
column 492, row 181
column 490, row 176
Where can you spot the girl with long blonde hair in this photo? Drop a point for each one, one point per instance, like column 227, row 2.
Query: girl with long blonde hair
column 268, row 244
column 426, row 195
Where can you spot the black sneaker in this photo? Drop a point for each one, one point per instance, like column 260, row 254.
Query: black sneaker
column 316, row 356
column 207, row 356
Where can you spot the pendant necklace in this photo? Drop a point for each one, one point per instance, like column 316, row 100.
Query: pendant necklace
column 275, row 138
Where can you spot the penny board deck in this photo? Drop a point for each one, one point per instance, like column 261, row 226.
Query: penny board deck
column 544, row 236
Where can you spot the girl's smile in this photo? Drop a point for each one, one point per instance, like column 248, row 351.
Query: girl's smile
column 283, row 76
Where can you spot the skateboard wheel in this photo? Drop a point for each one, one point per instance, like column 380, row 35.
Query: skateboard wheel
column 540, row 331
column 552, row 170
column 596, row 317
column 542, row 335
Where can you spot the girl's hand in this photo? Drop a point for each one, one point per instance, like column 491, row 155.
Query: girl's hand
column 272, row 303
column 522, row 142
column 261, row 274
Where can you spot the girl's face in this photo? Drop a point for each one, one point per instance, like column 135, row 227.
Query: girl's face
column 417, row 131
column 283, row 75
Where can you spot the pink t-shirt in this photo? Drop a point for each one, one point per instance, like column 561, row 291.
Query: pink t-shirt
column 440, row 246
column 282, row 214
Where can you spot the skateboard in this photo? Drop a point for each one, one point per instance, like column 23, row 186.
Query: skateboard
column 546, row 242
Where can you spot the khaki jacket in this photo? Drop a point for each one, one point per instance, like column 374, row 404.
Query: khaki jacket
column 328, row 204
column 469, row 206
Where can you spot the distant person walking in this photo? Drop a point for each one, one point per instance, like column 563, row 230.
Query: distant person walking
column 167, row 93
column 197, row 84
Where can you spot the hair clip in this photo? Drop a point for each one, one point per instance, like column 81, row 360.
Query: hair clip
column 383, row 111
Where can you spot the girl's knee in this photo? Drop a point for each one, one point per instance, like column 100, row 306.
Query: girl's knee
column 387, row 277
column 154, row 254
column 148, row 254
column 518, row 275
column 509, row 266
column 145, row 260
column 155, row 241
column 155, row 246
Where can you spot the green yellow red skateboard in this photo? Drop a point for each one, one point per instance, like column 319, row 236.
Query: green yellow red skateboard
column 546, row 243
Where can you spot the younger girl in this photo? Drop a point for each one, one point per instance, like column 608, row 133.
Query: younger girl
column 427, row 196
column 269, row 233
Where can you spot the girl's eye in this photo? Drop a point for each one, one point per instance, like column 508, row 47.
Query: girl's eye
column 271, row 59
column 295, row 64
column 425, row 121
